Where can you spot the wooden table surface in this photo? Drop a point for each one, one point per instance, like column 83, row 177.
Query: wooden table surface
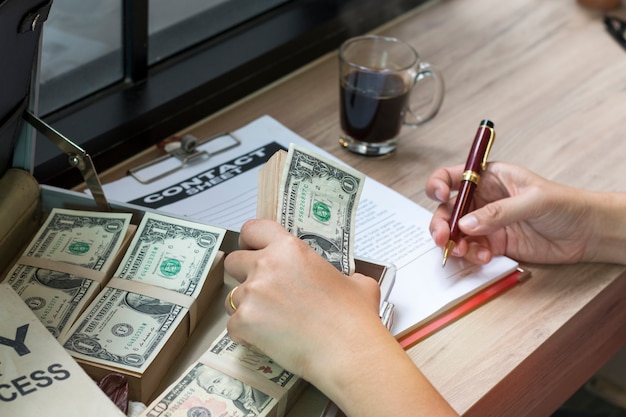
column 554, row 83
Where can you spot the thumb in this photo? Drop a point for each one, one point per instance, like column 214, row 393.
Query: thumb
column 367, row 287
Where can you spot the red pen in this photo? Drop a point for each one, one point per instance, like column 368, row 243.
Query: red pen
column 475, row 165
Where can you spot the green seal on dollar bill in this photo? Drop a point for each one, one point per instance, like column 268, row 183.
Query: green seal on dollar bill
column 78, row 248
column 170, row 267
column 321, row 211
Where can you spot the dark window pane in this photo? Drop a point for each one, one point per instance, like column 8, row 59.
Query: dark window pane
column 174, row 26
column 81, row 51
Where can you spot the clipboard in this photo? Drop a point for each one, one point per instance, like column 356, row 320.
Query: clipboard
column 185, row 150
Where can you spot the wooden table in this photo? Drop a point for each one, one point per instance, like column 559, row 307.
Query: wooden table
column 554, row 82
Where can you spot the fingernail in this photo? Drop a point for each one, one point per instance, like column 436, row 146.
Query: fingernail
column 483, row 255
column 438, row 196
column 468, row 221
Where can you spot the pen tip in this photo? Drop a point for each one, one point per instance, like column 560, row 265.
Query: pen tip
column 446, row 252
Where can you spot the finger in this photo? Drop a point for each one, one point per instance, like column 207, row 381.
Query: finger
column 498, row 214
column 442, row 181
column 233, row 327
column 478, row 253
column 258, row 233
column 460, row 248
column 439, row 226
column 238, row 264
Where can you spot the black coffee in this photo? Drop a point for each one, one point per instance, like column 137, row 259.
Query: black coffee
column 372, row 105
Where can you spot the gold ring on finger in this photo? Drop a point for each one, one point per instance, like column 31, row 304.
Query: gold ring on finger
column 230, row 299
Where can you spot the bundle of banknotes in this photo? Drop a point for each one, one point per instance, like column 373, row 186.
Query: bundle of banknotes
column 143, row 317
column 229, row 380
column 315, row 199
column 120, row 297
column 67, row 263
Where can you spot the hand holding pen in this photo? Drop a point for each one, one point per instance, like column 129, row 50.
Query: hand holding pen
column 475, row 165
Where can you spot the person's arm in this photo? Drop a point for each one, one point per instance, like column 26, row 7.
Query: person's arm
column 323, row 326
column 527, row 217
column 370, row 375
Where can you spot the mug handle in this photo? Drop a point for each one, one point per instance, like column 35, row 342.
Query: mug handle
column 425, row 70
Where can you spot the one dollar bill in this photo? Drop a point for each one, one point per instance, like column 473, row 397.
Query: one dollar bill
column 317, row 203
column 123, row 329
column 171, row 253
column 56, row 298
column 84, row 238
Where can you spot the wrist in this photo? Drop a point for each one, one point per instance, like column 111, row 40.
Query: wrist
column 610, row 228
column 342, row 351
column 370, row 360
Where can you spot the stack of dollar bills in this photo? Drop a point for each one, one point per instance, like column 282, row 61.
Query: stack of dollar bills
column 229, row 379
column 67, row 263
column 140, row 321
column 37, row 376
column 315, row 199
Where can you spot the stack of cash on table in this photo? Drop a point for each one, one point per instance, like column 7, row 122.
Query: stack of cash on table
column 141, row 320
column 229, row 380
column 131, row 315
column 68, row 262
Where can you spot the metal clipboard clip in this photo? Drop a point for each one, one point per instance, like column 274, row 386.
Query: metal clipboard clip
column 186, row 151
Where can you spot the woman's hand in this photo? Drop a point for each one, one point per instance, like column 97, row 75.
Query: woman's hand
column 519, row 214
column 293, row 304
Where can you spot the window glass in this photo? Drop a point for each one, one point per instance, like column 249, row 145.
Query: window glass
column 82, row 41
column 81, row 51
column 174, row 26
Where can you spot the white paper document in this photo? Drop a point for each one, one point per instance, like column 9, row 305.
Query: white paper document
column 221, row 190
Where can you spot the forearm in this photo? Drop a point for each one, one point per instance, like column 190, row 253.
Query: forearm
column 373, row 377
column 608, row 243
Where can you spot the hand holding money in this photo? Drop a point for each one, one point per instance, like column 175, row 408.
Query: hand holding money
column 293, row 301
column 311, row 203
column 315, row 199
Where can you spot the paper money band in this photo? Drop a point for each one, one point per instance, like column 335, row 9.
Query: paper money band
column 229, row 367
column 80, row 271
column 160, row 293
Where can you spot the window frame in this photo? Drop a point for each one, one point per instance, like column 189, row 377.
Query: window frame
column 154, row 102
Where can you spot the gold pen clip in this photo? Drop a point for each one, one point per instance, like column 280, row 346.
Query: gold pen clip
column 492, row 137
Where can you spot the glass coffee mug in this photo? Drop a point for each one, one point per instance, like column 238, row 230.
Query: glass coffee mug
column 379, row 78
